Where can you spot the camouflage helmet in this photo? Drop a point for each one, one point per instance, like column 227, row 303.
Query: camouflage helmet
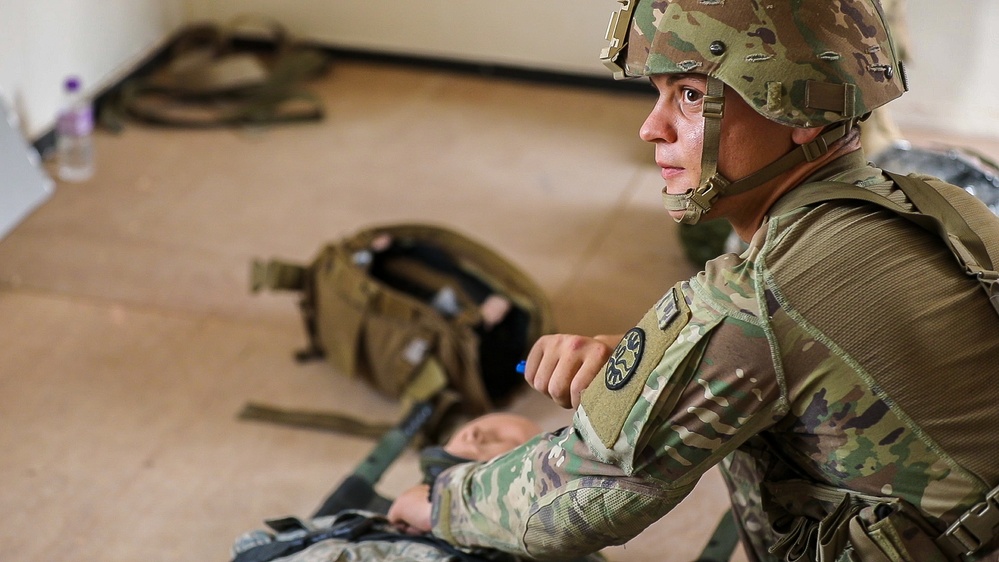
column 807, row 63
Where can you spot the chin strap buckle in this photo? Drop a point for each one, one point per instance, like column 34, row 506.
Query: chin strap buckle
column 696, row 202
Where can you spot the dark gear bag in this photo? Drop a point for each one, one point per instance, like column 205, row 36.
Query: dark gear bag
column 415, row 309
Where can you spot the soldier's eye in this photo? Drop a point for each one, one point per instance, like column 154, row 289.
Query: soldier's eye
column 691, row 95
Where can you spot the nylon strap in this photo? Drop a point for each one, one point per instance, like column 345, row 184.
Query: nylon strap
column 696, row 202
column 326, row 421
column 429, row 382
column 277, row 275
column 804, row 153
column 713, row 110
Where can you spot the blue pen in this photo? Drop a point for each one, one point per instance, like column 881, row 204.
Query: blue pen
column 521, row 367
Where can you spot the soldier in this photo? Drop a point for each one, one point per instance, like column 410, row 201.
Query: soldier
column 831, row 369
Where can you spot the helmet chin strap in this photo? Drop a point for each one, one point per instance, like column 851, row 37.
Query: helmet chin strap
column 694, row 203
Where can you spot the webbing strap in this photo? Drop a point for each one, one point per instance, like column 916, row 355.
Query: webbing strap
column 428, row 384
column 695, row 202
column 713, row 111
column 933, row 213
column 277, row 275
column 929, row 202
column 805, row 153
column 311, row 419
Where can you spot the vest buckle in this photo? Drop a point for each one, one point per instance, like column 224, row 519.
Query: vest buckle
column 974, row 529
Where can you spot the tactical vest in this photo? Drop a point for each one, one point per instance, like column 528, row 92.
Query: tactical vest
column 411, row 310
column 883, row 529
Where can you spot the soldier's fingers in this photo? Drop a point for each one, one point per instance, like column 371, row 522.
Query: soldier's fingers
column 560, row 384
column 582, row 380
column 541, row 360
column 543, row 374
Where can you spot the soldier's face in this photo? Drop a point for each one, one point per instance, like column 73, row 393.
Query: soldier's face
column 491, row 435
column 675, row 126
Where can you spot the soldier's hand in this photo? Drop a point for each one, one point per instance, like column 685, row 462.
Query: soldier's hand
column 561, row 366
column 411, row 510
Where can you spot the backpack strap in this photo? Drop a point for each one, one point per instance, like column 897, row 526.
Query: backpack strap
column 931, row 211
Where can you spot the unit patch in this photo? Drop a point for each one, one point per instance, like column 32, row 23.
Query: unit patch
column 633, row 360
column 625, row 360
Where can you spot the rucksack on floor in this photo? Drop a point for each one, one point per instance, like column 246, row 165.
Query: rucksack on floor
column 415, row 310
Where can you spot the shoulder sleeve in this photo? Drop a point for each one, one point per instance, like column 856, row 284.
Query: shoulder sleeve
column 684, row 387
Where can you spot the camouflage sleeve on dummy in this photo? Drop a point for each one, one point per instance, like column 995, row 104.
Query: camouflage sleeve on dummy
column 684, row 388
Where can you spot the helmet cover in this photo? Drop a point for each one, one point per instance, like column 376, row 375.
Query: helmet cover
column 802, row 63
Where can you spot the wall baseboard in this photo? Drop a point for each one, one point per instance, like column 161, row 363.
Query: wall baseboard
column 492, row 70
column 160, row 54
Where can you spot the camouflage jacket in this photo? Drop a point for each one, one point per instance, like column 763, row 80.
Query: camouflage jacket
column 845, row 340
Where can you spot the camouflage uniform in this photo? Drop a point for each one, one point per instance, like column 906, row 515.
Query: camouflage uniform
column 833, row 345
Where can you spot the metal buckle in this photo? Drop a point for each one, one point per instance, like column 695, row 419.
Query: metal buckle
column 617, row 37
column 977, row 527
column 706, row 194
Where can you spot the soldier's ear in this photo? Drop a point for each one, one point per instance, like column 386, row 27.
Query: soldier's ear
column 805, row 136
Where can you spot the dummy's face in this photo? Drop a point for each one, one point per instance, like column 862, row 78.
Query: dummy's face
column 491, row 435
column 748, row 141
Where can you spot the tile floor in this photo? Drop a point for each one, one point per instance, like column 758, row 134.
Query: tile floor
column 130, row 339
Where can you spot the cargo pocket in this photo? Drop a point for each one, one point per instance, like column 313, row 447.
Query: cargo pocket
column 342, row 292
column 808, row 540
column 395, row 342
column 898, row 533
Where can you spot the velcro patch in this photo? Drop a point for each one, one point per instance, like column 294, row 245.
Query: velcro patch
column 607, row 405
column 625, row 359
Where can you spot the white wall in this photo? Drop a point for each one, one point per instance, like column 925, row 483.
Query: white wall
column 954, row 74
column 563, row 35
column 43, row 41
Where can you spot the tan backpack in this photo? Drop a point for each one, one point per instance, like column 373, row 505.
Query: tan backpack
column 416, row 309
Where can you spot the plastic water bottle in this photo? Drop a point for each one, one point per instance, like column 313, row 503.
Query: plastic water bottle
column 74, row 130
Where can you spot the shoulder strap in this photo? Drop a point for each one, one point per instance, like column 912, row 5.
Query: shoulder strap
column 931, row 211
